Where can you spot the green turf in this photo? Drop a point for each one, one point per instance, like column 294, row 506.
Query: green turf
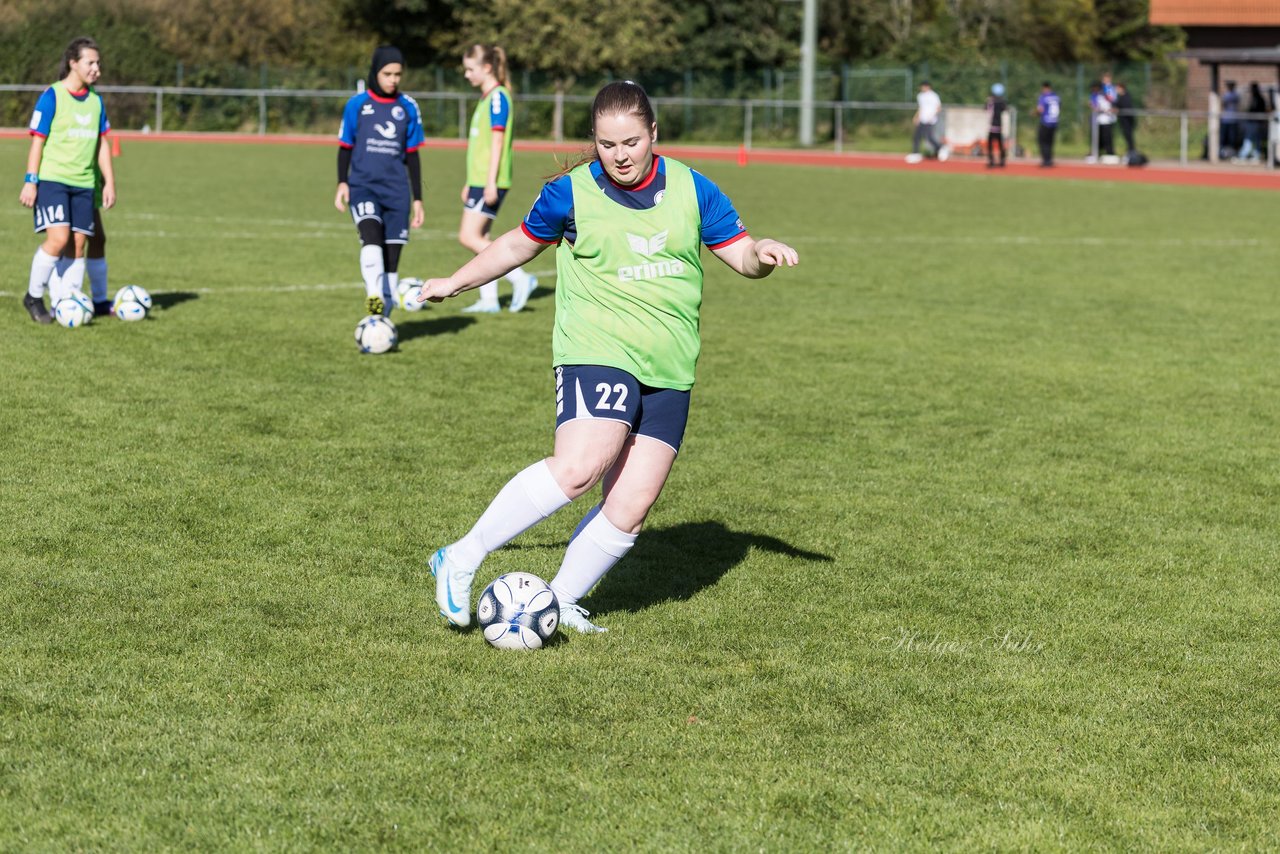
column 972, row 543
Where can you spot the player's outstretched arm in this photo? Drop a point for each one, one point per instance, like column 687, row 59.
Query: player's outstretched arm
column 756, row 259
column 500, row 257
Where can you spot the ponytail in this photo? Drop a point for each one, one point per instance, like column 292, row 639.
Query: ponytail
column 493, row 56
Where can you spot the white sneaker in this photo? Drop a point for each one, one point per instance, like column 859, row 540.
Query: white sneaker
column 481, row 307
column 453, row 587
column 520, row 293
column 575, row 617
column 914, row 158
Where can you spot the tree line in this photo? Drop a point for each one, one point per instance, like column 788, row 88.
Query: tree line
column 568, row 40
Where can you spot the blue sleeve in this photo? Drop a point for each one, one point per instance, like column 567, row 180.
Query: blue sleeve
column 415, row 137
column 103, row 124
column 499, row 111
column 42, row 116
column 350, row 121
column 720, row 221
column 546, row 220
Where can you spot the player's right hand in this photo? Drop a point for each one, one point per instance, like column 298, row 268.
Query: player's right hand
column 343, row 198
column 28, row 195
column 437, row 290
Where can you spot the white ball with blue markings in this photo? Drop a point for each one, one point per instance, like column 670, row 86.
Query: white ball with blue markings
column 135, row 294
column 130, row 311
column 375, row 334
column 409, row 294
column 518, row 611
column 73, row 311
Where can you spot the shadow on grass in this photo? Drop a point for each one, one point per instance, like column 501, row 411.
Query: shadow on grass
column 168, row 299
column 446, row 325
column 677, row 562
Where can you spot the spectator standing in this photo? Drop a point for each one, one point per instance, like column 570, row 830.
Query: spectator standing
column 1229, row 124
column 1049, row 108
column 928, row 110
column 1104, row 119
column 1126, row 118
column 996, row 107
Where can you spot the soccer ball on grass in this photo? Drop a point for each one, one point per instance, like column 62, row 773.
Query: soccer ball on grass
column 75, row 310
column 518, row 611
column 375, row 334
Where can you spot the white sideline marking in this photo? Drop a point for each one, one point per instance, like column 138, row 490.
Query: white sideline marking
column 545, row 275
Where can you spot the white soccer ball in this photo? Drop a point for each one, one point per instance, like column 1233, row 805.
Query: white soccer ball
column 375, row 334
column 132, row 294
column 130, row 311
column 411, row 299
column 518, row 611
column 75, row 310
column 403, row 296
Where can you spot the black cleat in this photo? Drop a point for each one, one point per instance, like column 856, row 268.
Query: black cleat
column 102, row 308
column 35, row 308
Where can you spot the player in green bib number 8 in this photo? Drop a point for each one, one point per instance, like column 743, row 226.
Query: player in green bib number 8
column 629, row 226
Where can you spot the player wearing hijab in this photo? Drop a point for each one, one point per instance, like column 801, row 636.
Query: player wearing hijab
column 380, row 174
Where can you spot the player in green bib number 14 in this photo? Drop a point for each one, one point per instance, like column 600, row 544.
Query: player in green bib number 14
column 64, row 163
column 629, row 226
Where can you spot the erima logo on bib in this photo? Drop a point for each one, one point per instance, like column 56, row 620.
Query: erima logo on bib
column 647, row 246
column 83, row 118
column 650, row 269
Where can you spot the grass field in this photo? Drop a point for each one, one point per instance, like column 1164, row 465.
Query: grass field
column 973, row 543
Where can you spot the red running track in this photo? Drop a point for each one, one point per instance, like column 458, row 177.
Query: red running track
column 1250, row 178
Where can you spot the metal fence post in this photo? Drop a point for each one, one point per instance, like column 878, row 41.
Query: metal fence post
column 746, row 127
column 160, row 109
column 839, row 128
column 462, row 118
column 262, row 112
column 557, row 133
column 1182, row 138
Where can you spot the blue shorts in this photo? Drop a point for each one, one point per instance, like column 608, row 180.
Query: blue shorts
column 611, row 394
column 392, row 213
column 60, row 205
column 475, row 202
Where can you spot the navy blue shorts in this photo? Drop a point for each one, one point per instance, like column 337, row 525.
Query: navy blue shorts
column 611, row 394
column 475, row 202
column 60, row 205
column 392, row 213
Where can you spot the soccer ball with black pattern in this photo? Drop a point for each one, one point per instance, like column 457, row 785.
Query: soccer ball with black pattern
column 375, row 334
column 518, row 611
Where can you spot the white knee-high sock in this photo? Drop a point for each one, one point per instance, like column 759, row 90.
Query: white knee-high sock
column 516, row 277
column 389, row 283
column 526, row 500
column 372, row 270
column 596, row 546
column 97, row 270
column 489, row 293
column 60, row 267
column 41, row 269
column 72, row 280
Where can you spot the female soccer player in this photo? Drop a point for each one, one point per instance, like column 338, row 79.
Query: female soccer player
column 67, row 128
column 489, row 168
column 378, row 172
column 630, row 225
